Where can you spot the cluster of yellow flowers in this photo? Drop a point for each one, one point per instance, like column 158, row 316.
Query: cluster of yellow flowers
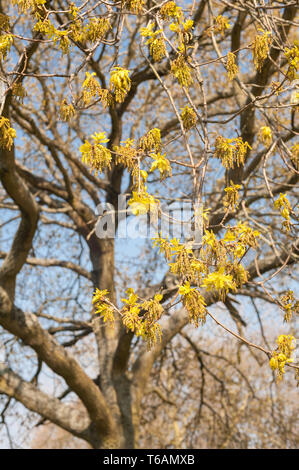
column 225, row 254
column 290, row 305
column 6, row 41
column 155, row 41
column 194, row 303
column 162, row 164
column 135, row 6
column 260, row 48
column 96, row 29
column 220, row 281
column 283, row 354
column 244, row 235
column 228, row 276
column 221, row 24
column 24, row 5
column 229, row 251
column 170, row 11
column 7, row 133
column 182, row 28
column 265, row 135
column 284, row 205
column 129, row 155
column 103, row 307
column 141, row 202
column 232, row 196
column 189, row 117
column 92, row 89
column 151, row 141
column 183, row 33
column 231, row 151
column 126, row 154
column 46, row 27
column 64, row 41
column 232, row 68
column 292, row 56
column 120, row 83
column 67, row 111
column 164, row 246
column 182, row 265
column 142, row 318
column 139, row 316
column 4, row 23
column 182, row 71
column 96, row 155
column 93, row 31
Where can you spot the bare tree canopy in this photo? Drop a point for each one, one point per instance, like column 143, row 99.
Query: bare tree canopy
column 120, row 115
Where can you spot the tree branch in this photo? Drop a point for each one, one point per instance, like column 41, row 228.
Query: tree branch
column 70, row 418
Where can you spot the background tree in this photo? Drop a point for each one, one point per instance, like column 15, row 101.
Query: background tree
column 205, row 398
column 194, row 103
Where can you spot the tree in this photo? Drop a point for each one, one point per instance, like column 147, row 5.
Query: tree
column 193, row 102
